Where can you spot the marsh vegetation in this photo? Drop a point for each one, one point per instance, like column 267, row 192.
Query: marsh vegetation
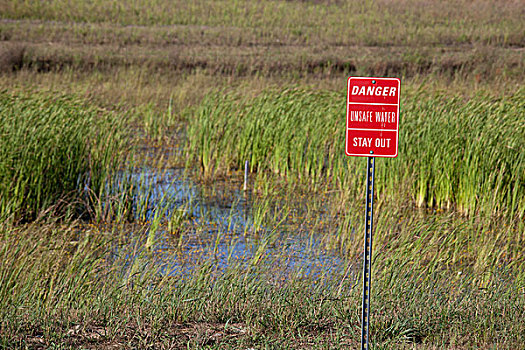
column 124, row 129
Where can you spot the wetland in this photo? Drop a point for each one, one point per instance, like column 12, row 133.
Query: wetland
column 125, row 129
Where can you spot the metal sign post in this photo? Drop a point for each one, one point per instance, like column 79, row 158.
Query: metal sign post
column 372, row 126
column 367, row 255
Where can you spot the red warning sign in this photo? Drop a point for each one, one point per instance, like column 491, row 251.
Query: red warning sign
column 372, row 117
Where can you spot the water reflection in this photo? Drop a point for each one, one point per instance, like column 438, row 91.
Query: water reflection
column 229, row 226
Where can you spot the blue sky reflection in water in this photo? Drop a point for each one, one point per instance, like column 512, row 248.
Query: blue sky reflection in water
column 229, row 227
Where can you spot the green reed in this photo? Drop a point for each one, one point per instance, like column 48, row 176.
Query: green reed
column 453, row 151
column 55, row 151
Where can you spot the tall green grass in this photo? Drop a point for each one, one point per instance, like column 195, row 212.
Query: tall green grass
column 54, row 152
column 453, row 151
column 78, row 286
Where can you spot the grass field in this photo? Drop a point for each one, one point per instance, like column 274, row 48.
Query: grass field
column 102, row 245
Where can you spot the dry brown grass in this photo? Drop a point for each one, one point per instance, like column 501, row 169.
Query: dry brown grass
column 294, row 39
column 11, row 57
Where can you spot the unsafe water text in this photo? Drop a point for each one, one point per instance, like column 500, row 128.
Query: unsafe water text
column 368, row 116
column 378, row 116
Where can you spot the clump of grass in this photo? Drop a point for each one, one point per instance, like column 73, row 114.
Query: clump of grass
column 277, row 131
column 11, row 57
column 54, row 151
column 466, row 152
column 453, row 151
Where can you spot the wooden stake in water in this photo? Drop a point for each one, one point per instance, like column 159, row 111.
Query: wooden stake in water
column 245, row 187
column 367, row 255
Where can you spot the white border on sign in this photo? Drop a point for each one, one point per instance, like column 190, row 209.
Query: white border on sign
column 372, row 104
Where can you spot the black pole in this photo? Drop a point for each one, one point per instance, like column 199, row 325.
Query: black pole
column 367, row 254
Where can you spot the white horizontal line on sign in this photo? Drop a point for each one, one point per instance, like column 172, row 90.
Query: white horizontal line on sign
column 373, row 104
column 372, row 129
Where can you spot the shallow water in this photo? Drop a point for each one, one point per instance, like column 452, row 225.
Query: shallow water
column 231, row 227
